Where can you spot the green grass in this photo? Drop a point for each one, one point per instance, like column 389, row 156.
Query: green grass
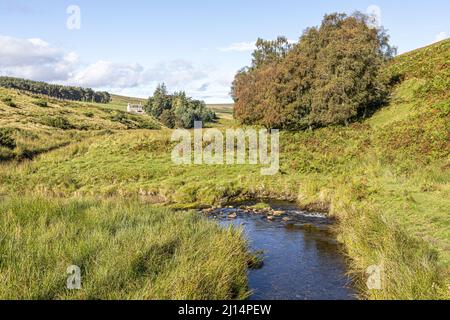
column 386, row 180
column 38, row 125
column 118, row 102
column 223, row 111
column 125, row 251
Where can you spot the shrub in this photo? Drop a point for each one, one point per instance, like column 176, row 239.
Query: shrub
column 6, row 140
column 41, row 103
column 168, row 118
column 8, row 101
column 133, row 121
column 57, row 122
column 177, row 110
column 6, row 154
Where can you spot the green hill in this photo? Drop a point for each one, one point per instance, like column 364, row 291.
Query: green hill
column 39, row 124
column 224, row 111
column 386, row 180
column 121, row 102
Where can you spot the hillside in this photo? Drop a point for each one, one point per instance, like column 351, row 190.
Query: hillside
column 223, row 111
column 386, row 180
column 38, row 124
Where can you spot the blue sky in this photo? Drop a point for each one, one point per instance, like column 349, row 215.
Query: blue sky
column 127, row 47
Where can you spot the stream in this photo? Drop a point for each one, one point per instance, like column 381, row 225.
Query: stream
column 302, row 260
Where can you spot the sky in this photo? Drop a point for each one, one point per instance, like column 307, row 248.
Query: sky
column 128, row 47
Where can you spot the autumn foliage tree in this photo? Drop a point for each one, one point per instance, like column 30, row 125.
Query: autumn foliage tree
column 331, row 76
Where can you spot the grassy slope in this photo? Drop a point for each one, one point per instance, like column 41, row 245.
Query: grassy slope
column 386, row 179
column 223, row 111
column 121, row 102
column 37, row 129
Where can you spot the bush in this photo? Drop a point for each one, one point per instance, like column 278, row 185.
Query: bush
column 6, row 139
column 133, row 121
column 6, row 154
column 177, row 110
column 332, row 76
column 57, row 122
column 8, row 101
column 41, row 103
column 168, row 119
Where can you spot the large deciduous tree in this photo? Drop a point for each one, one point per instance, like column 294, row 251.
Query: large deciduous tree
column 331, row 76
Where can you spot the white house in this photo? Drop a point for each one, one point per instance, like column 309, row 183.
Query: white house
column 135, row 108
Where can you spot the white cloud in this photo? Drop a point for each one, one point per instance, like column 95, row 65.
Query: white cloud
column 244, row 46
column 205, row 82
column 212, row 85
column 374, row 13
column 177, row 73
column 38, row 60
column 16, row 52
column 440, row 36
column 106, row 74
column 34, row 59
column 239, row 47
column 71, row 57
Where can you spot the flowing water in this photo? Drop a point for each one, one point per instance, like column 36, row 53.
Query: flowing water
column 302, row 260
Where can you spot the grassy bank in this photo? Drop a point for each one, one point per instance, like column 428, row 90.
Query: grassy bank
column 125, row 251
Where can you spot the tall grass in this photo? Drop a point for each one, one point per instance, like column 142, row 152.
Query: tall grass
column 125, row 250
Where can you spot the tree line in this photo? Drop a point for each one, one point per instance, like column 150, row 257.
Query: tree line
column 177, row 110
column 333, row 75
column 55, row 91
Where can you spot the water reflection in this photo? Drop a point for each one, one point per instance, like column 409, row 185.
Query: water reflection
column 302, row 259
